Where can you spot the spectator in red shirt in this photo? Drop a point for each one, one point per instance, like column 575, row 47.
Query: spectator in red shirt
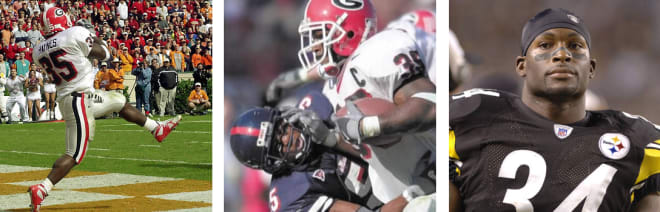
column 11, row 50
column 139, row 6
column 138, row 56
column 125, row 39
column 28, row 51
column 133, row 23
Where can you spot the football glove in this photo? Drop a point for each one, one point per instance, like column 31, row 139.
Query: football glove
column 85, row 23
column 349, row 125
column 311, row 124
column 286, row 80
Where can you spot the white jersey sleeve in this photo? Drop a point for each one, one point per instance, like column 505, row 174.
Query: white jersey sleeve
column 425, row 43
column 385, row 62
column 64, row 56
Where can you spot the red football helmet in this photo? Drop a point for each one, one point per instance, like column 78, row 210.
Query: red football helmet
column 56, row 20
column 337, row 25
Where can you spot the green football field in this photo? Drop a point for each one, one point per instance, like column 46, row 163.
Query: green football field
column 118, row 146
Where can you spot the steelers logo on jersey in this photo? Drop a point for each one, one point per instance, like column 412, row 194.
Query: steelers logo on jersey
column 614, row 145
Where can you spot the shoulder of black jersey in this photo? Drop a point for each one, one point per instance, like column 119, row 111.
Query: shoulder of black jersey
column 288, row 189
column 314, row 100
column 634, row 125
column 480, row 103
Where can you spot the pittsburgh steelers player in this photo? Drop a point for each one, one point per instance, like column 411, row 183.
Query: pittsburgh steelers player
column 543, row 151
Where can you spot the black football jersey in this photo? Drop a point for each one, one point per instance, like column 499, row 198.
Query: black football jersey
column 326, row 179
column 334, row 177
column 506, row 157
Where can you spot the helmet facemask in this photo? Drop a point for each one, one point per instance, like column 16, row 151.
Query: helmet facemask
column 316, row 42
column 290, row 147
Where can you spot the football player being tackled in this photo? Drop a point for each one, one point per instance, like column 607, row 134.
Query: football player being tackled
column 543, row 151
column 66, row 55
column 306, row 176
column 339, row 41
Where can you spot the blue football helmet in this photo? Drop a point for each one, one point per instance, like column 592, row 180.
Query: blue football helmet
column 260, row 139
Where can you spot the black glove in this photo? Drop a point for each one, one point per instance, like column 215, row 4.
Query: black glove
column 286, row 80
column 349, row 125
column 311, row 125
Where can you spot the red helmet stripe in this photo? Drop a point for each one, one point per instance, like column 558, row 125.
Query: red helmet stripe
column 250, row 131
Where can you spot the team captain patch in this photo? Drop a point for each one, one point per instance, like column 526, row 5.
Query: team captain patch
column 614, row 145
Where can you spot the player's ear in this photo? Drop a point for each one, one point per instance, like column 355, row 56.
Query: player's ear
column 592, row 69
column 520, row 66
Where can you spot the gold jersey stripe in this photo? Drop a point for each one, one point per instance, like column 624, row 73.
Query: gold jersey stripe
column 452, row 145
column 632, row 197
column 650, row 164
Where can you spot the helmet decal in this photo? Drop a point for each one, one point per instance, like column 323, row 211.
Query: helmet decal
column 331, row 31
column 59, row 12
column 348, row 4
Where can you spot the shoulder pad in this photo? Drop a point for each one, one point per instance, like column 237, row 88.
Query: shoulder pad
column 287, row 189
column 471, row 101
column 318, row 103
column 376, row 56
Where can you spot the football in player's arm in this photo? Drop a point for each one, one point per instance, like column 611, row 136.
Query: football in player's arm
column 543, row 150
column 305, row 175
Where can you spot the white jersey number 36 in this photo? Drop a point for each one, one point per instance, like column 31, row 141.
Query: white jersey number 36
column 592, row 188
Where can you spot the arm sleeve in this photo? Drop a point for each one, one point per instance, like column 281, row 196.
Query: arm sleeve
column 387, row 69
column 311, row 203
column 97, row 80
column 206, row 97
column 114, row 76
column 120, row 75
column 82, row 38
column 191, row 96
column 648, row 178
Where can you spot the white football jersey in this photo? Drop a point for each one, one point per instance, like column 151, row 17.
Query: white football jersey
column 64, row 56
column 376, row 69
column 425, row 43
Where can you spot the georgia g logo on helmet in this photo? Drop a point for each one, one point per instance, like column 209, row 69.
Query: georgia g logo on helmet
column 59, row 12
column 348, row 4
column 55, row 20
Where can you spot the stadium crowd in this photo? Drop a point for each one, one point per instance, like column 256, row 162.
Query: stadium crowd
column 168, row 37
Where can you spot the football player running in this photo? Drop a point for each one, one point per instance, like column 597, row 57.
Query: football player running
column 543, row 151
column 66, row 55
column 419, row 24
column 339, row 41
column 306, row 176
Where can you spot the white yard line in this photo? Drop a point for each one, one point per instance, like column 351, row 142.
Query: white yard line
column 198, row 142
column 11, row 168
column 98, row 149
column 111, row 158
column 96, row 181
column 196, row 196
column 145, row 145
column 175, row 131
column 191, row 210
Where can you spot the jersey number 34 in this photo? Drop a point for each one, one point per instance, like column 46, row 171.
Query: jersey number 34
column 591, row 190
column 64, row 69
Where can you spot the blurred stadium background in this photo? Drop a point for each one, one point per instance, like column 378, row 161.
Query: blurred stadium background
column 624, row 37
column 261, row 40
